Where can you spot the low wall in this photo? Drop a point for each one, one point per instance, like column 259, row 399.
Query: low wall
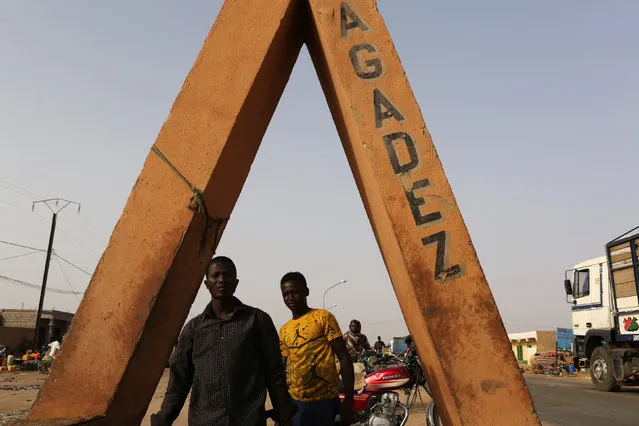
column 13, row 336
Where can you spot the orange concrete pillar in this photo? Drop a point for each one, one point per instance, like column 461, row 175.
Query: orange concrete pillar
column 441, row 288
column 148, row 276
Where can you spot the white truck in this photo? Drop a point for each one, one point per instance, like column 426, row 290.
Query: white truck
column 605, row 313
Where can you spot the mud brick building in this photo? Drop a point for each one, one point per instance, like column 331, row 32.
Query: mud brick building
column 18, row 326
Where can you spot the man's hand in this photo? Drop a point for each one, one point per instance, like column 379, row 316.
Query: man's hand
column 346, row 411
column 348, row 377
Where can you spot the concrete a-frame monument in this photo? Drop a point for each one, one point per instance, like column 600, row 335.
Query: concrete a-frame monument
column 148, row 276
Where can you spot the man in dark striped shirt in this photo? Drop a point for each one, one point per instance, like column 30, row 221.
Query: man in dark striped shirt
column 228, row 357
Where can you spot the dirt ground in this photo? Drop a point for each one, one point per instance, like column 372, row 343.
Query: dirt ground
column 17, row 393
column 417, row 414
column 19, row 390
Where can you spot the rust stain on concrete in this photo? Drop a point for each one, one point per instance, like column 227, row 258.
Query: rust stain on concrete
column 437, row 278
column 143, row 284
column 491, row 386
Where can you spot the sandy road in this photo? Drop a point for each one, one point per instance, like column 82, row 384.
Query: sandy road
column 560, row 401
column 19, row 390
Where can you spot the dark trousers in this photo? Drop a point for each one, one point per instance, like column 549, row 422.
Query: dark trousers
column 316, row 413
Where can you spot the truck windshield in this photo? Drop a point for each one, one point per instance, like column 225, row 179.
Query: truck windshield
column 582, row 283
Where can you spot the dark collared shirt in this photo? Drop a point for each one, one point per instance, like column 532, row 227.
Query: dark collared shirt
column 228, row 364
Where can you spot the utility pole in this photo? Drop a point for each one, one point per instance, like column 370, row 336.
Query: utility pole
column 55, row 210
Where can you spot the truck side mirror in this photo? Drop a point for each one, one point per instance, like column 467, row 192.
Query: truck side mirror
column 568, row 287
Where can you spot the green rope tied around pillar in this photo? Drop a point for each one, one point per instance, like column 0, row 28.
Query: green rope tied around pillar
column 198, row 205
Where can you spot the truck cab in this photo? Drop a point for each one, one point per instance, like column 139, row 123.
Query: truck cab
column 590, row 298
column 604, row 297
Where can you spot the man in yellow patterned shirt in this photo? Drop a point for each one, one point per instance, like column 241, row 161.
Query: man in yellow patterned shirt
column 310, row 342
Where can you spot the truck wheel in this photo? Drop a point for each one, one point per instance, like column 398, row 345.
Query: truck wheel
column 602, row 371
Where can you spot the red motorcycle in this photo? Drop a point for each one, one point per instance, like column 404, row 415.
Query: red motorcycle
column 379, row 402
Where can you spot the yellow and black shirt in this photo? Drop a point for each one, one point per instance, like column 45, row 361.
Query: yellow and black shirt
column 311, row 373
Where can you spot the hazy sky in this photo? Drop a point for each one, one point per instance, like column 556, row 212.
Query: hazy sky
column 532, row 106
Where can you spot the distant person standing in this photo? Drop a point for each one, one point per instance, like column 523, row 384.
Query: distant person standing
column 356, row 342
column 4, row 352
column 379, row 345
column 54, row 347
column 309, row 342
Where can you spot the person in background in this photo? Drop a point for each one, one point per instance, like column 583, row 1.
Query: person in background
column 4, row 356
column 228, row 357
column 356, row 342
column 379, row 345
column 309, row 342
column 54, row 347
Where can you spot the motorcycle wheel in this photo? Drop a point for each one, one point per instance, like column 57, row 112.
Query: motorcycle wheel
column 432, row 417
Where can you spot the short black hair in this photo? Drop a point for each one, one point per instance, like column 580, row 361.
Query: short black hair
column 221, row 259
column 293, row 276
column 356, row 322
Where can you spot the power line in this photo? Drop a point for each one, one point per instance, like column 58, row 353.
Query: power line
column 66, row 278
column 12, row 204
column 77, row 222
column 20, row 255
column 91, row 249
column 29, row 193
column 20, row 245
column 35, row 286
column 54, row 253
column 75, row 266
column 89, row 233
column 23, row 194
column 38, row 215
column 89, row 221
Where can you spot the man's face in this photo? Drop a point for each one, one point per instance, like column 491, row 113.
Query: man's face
column 355, row 327
column 221, row 280
column 294, row 294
